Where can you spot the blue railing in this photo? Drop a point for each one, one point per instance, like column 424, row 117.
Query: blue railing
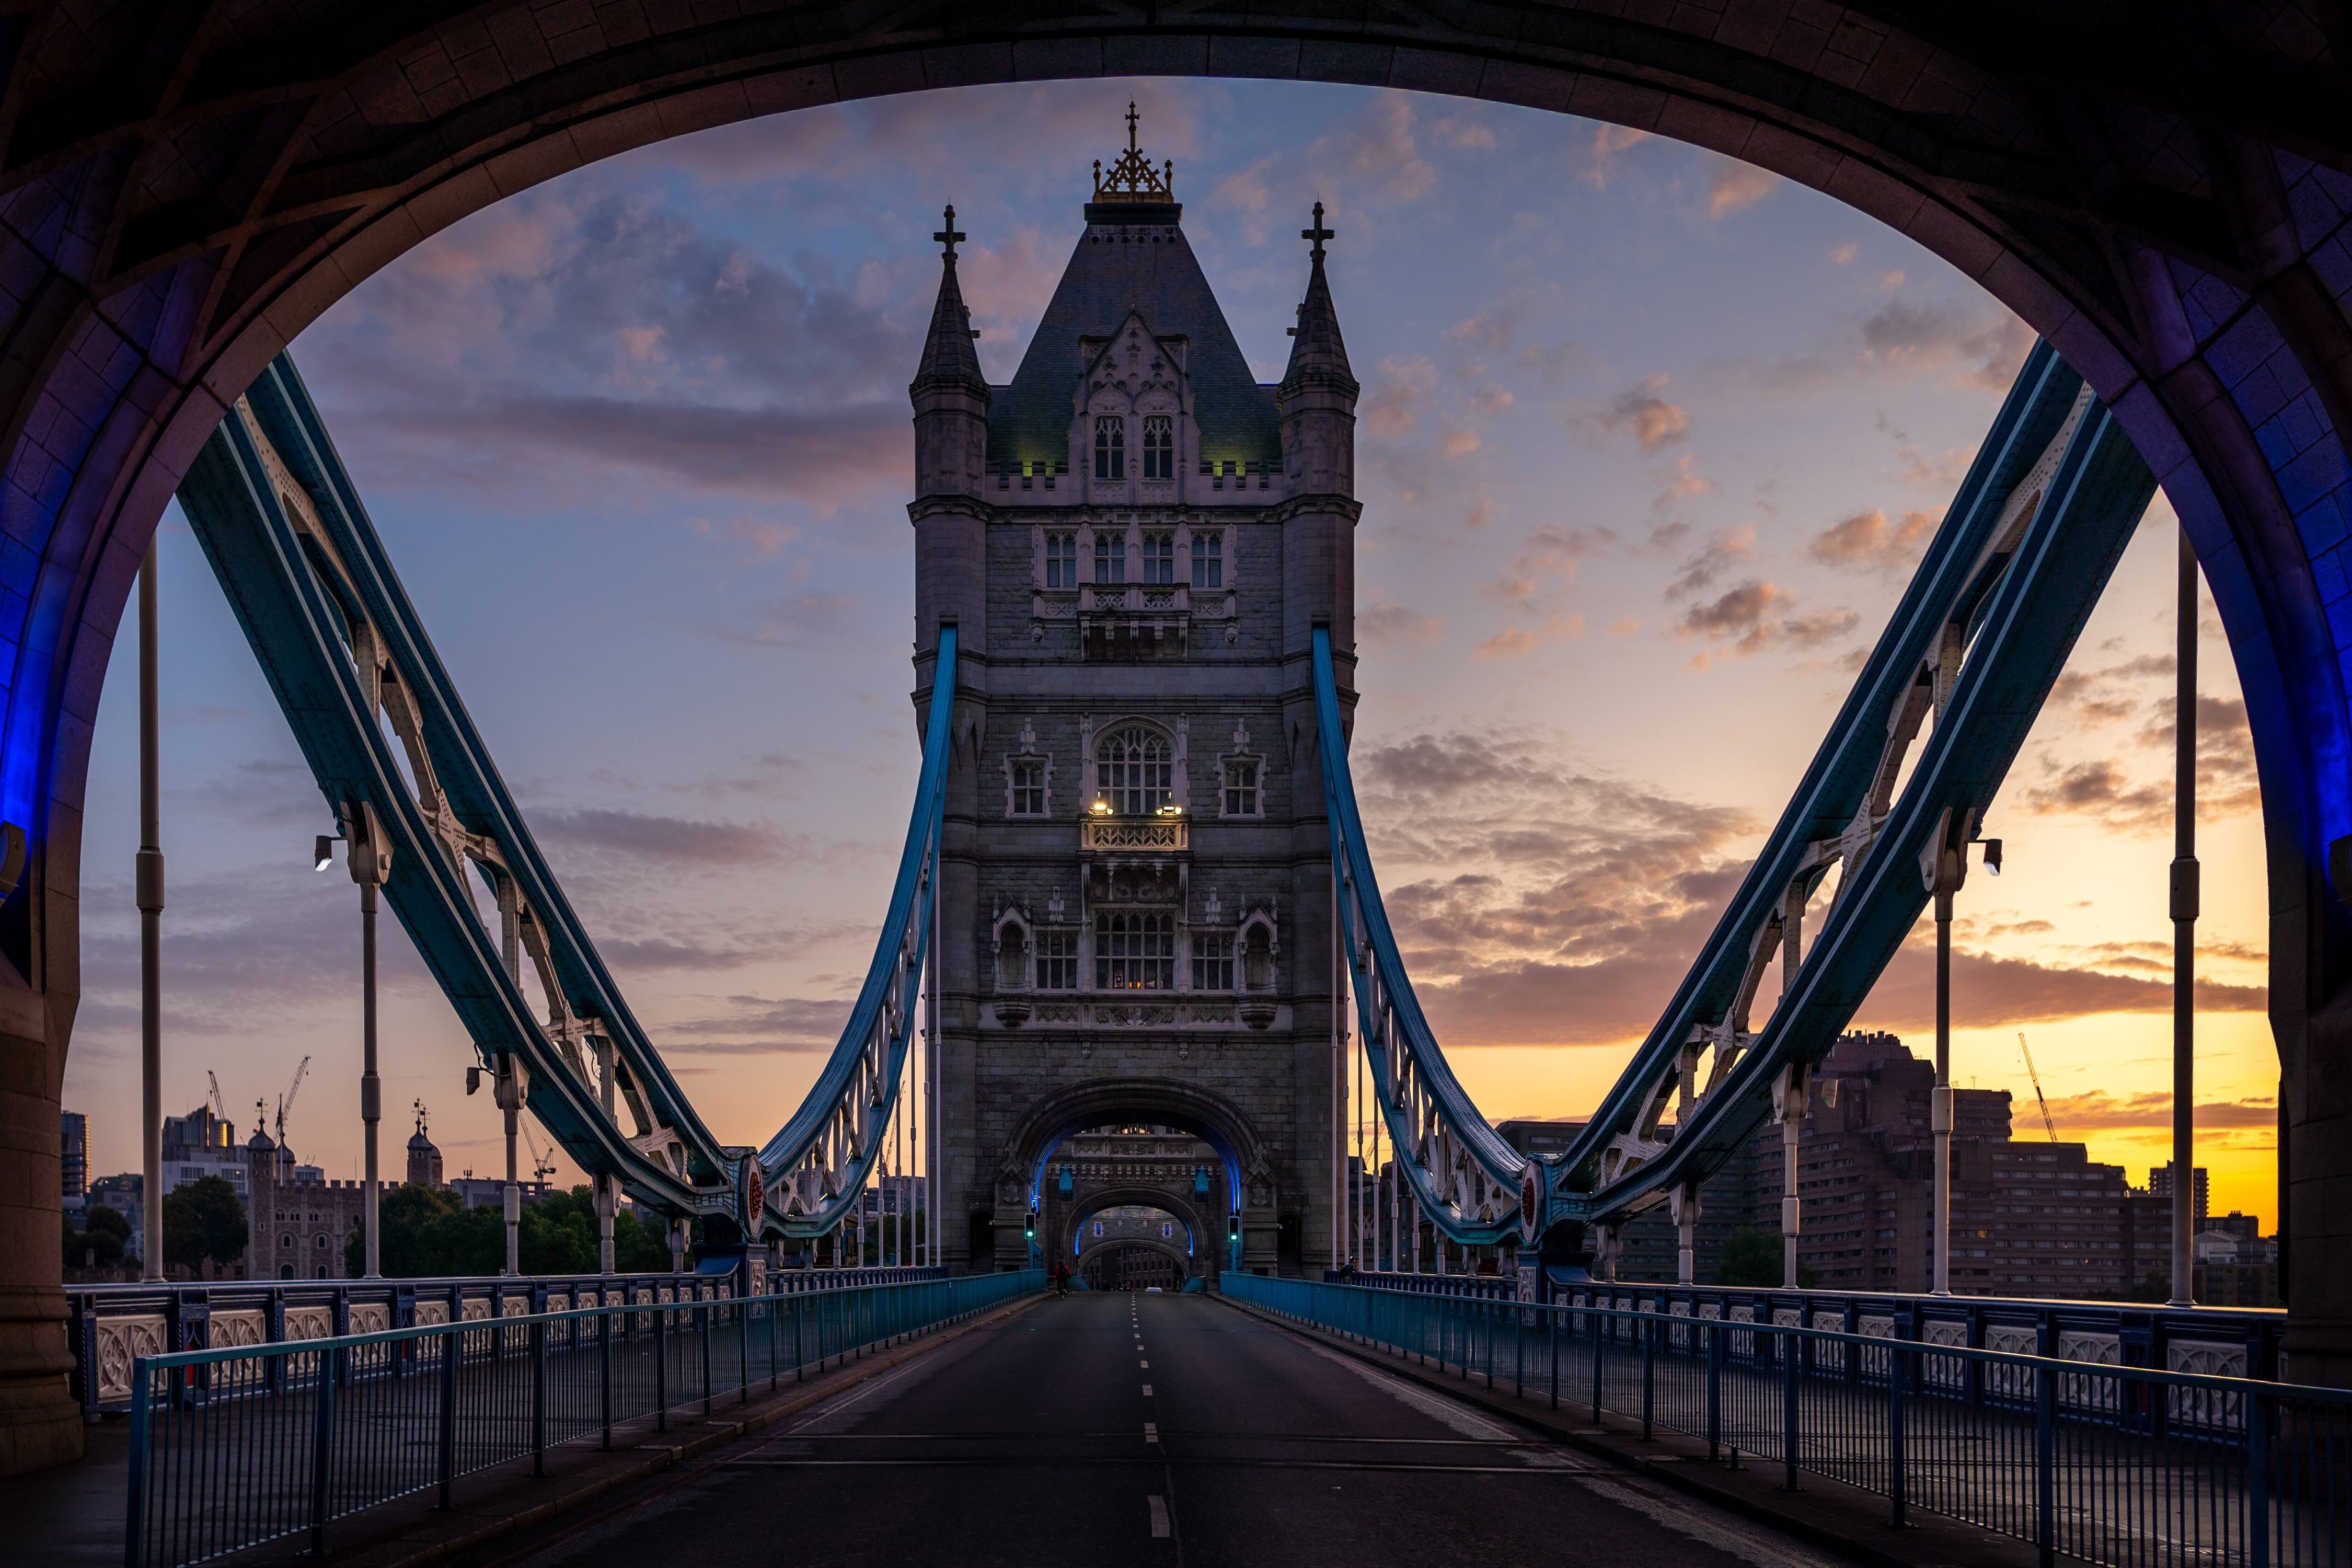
column 110, row 1326
column 2135, row 1467
column 234, row 1447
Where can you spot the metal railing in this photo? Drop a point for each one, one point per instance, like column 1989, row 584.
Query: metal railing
column 2135, row 1467
column 110, row 1326
column 234, row 1447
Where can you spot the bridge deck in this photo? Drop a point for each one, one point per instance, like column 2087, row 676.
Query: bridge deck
column 1033, row 1442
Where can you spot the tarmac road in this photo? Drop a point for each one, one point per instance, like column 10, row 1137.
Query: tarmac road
column 1147, row 1430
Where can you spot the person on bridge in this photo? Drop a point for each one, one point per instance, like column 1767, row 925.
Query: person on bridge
column 1061, row 1278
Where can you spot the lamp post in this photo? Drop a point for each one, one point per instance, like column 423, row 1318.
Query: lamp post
column 150, row 885
column 369, row 859
column 2185, row 901
column 1944, row 867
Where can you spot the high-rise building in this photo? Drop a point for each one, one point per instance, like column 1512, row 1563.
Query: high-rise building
column 2028, row 1218
column 202, row 1145
column 2159, row 1185
column 73, row 1154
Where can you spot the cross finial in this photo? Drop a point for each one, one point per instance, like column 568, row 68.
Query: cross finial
column 1131, row 126
column 949, row 236
column 1318, row 233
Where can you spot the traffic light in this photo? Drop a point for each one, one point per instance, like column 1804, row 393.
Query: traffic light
column 1030, row 1230
column 1234, row 1228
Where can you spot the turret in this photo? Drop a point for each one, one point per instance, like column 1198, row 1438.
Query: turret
column 1317, row 399
column 1319, row 391
column 951, row 398
column 950, row 395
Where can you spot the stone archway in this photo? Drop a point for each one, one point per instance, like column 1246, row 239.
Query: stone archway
column 1206, row 1232
column 1244, row 1187
column 1096, row 1262
column 180, row 196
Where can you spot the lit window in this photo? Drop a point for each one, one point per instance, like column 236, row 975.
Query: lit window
column 1212, row 961
column 1061, row 561
column 1159, row 447
column 1134, row 953
column 1029, row 786
column 1159, row 559
column 1241, row 787
column 1135, row 771
column 1111, row 556
column 1111, row 448
column 1057, row 960
column 1208, row 560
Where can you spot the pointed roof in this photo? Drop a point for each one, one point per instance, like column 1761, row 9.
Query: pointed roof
column 1317, row 348
column 948, row 355
column 1133, row 256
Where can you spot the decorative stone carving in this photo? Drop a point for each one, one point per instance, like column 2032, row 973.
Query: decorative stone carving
column 120, row 1341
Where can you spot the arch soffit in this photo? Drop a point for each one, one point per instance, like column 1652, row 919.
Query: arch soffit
column 1184, row 1264
column 1168, row 1101
column 1086, row 1206
column 1658, row 81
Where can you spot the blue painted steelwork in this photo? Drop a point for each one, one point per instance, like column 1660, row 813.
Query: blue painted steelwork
column 311, row 584
column 234, row 1447
column 2123, row 1466
column 1981, row 634
column 1462, row 1173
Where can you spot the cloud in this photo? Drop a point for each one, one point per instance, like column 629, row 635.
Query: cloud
column 2099, row 1111
column 1377, row 149
column 2138, row 800
column 1982, row 351
column 1645, row 411
column 1513, row 641
column 2003, row 992
column 562, row 343
column 1683, row 483
column 1844, row 253
column 1743, row 613
column 1391, row 409
column 1609, row 146
column 1869, row 539
column 1736, row 186
column 755, row 1025
column 1457, row 443
column 1730, row 548
column 676, row 838
column 1549, row 557
column 1386, row 625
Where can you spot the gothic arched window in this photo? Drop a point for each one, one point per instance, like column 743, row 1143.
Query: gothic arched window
column 1111, row 448
column 1135, row 771
column 1159, row 447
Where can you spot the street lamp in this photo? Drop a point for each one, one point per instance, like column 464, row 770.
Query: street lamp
column 369, row 859
column 1943, row 867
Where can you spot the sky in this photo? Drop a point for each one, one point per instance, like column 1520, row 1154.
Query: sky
column 1649, row 440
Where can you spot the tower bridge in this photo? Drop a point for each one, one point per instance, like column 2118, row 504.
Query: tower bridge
column 1136, row 889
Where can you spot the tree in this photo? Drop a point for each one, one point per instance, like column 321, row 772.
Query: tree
column 1752, row 1258
column 428, row 1233
column 204, row 1219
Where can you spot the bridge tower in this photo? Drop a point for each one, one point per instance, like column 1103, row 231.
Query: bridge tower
column 1135, row 538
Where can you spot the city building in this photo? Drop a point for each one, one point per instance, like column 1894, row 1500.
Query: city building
column 296, row 1221
column 202, row 1145
column 126, row 1196
column 1136, row 541
column 2029, row 1217
column 490, row 1191
column 2159, row 1185
column 73, row 1154
column 424, row 1157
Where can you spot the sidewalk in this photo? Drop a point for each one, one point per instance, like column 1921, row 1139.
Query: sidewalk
column 71, row 1516
column 1824, row 1513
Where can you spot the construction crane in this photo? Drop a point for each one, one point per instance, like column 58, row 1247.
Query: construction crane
column 286, row 1100
column 220, row 1106
column 2051, row 1126
column 542, row 1161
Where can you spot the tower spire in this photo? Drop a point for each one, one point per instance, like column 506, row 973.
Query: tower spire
column 949, row 358
column 1318, row 354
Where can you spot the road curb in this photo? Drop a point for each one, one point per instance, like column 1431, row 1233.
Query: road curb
column 408, row 1552
column 1834, row 1517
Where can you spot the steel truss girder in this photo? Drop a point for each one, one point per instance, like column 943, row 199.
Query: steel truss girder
column 1461, row 1172
column 1982, row 633
column 347, row 656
